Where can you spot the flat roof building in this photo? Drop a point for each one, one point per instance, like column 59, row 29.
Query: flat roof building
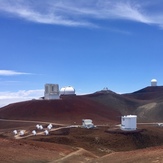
column 129, row 122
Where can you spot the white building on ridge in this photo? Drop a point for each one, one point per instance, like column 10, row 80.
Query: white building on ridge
column 51, row 91
column 87, row 123
column 153, row 82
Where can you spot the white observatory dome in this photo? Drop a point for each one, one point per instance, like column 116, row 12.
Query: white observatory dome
column 67, row 91
column 153, row 82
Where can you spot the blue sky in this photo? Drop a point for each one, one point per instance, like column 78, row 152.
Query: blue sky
column 86, row 44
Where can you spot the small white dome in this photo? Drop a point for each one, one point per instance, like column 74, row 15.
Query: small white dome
column 67, row 91
column 34, row 132
column 62, row 90
column 15, row 132
column 46, row 132
column 153, row 82
column 21, row 133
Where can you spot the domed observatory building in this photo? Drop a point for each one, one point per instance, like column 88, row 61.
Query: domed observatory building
column 67, row 91
column 51, row 92
column 153, row 82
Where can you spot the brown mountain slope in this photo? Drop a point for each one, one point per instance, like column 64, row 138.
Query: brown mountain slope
column 120, row 103
column 70, row 109
column 147, row 93
column 147, row 103
column 102, row 107
column 150, row 112
column 151, row 108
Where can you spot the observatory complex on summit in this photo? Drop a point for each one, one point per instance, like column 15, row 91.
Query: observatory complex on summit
column 52, row 91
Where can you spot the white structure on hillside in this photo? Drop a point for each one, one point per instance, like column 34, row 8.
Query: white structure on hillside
column 67, row 91
column 51, row 91
column 153, row 82
column 38, row 126
column 34, row 132
column 87, row 123
column 21, row 133
column 15, row 132
column 49, row 126
column 41, row 127
column 129, row 122
column 46, row 132
column 105, row 89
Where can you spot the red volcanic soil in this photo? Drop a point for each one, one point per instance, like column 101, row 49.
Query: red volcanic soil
column 12, row 151
column 67, row 110
column 85, row 145
column 149, row 155
column 100, row 142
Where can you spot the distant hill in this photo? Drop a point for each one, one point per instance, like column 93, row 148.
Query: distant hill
column 147, row 93
column 118, row 102
column 152, row 107
column 102, row 107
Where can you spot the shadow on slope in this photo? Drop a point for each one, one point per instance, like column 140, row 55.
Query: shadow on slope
column 117, row 102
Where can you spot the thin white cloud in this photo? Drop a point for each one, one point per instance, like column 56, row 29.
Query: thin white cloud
column 131, row 12
column 83, row 13
column 11, row 73
column 22, row 95
column 40, row 12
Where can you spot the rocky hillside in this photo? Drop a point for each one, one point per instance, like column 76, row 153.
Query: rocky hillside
column 70, row 109
column 103, row 107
